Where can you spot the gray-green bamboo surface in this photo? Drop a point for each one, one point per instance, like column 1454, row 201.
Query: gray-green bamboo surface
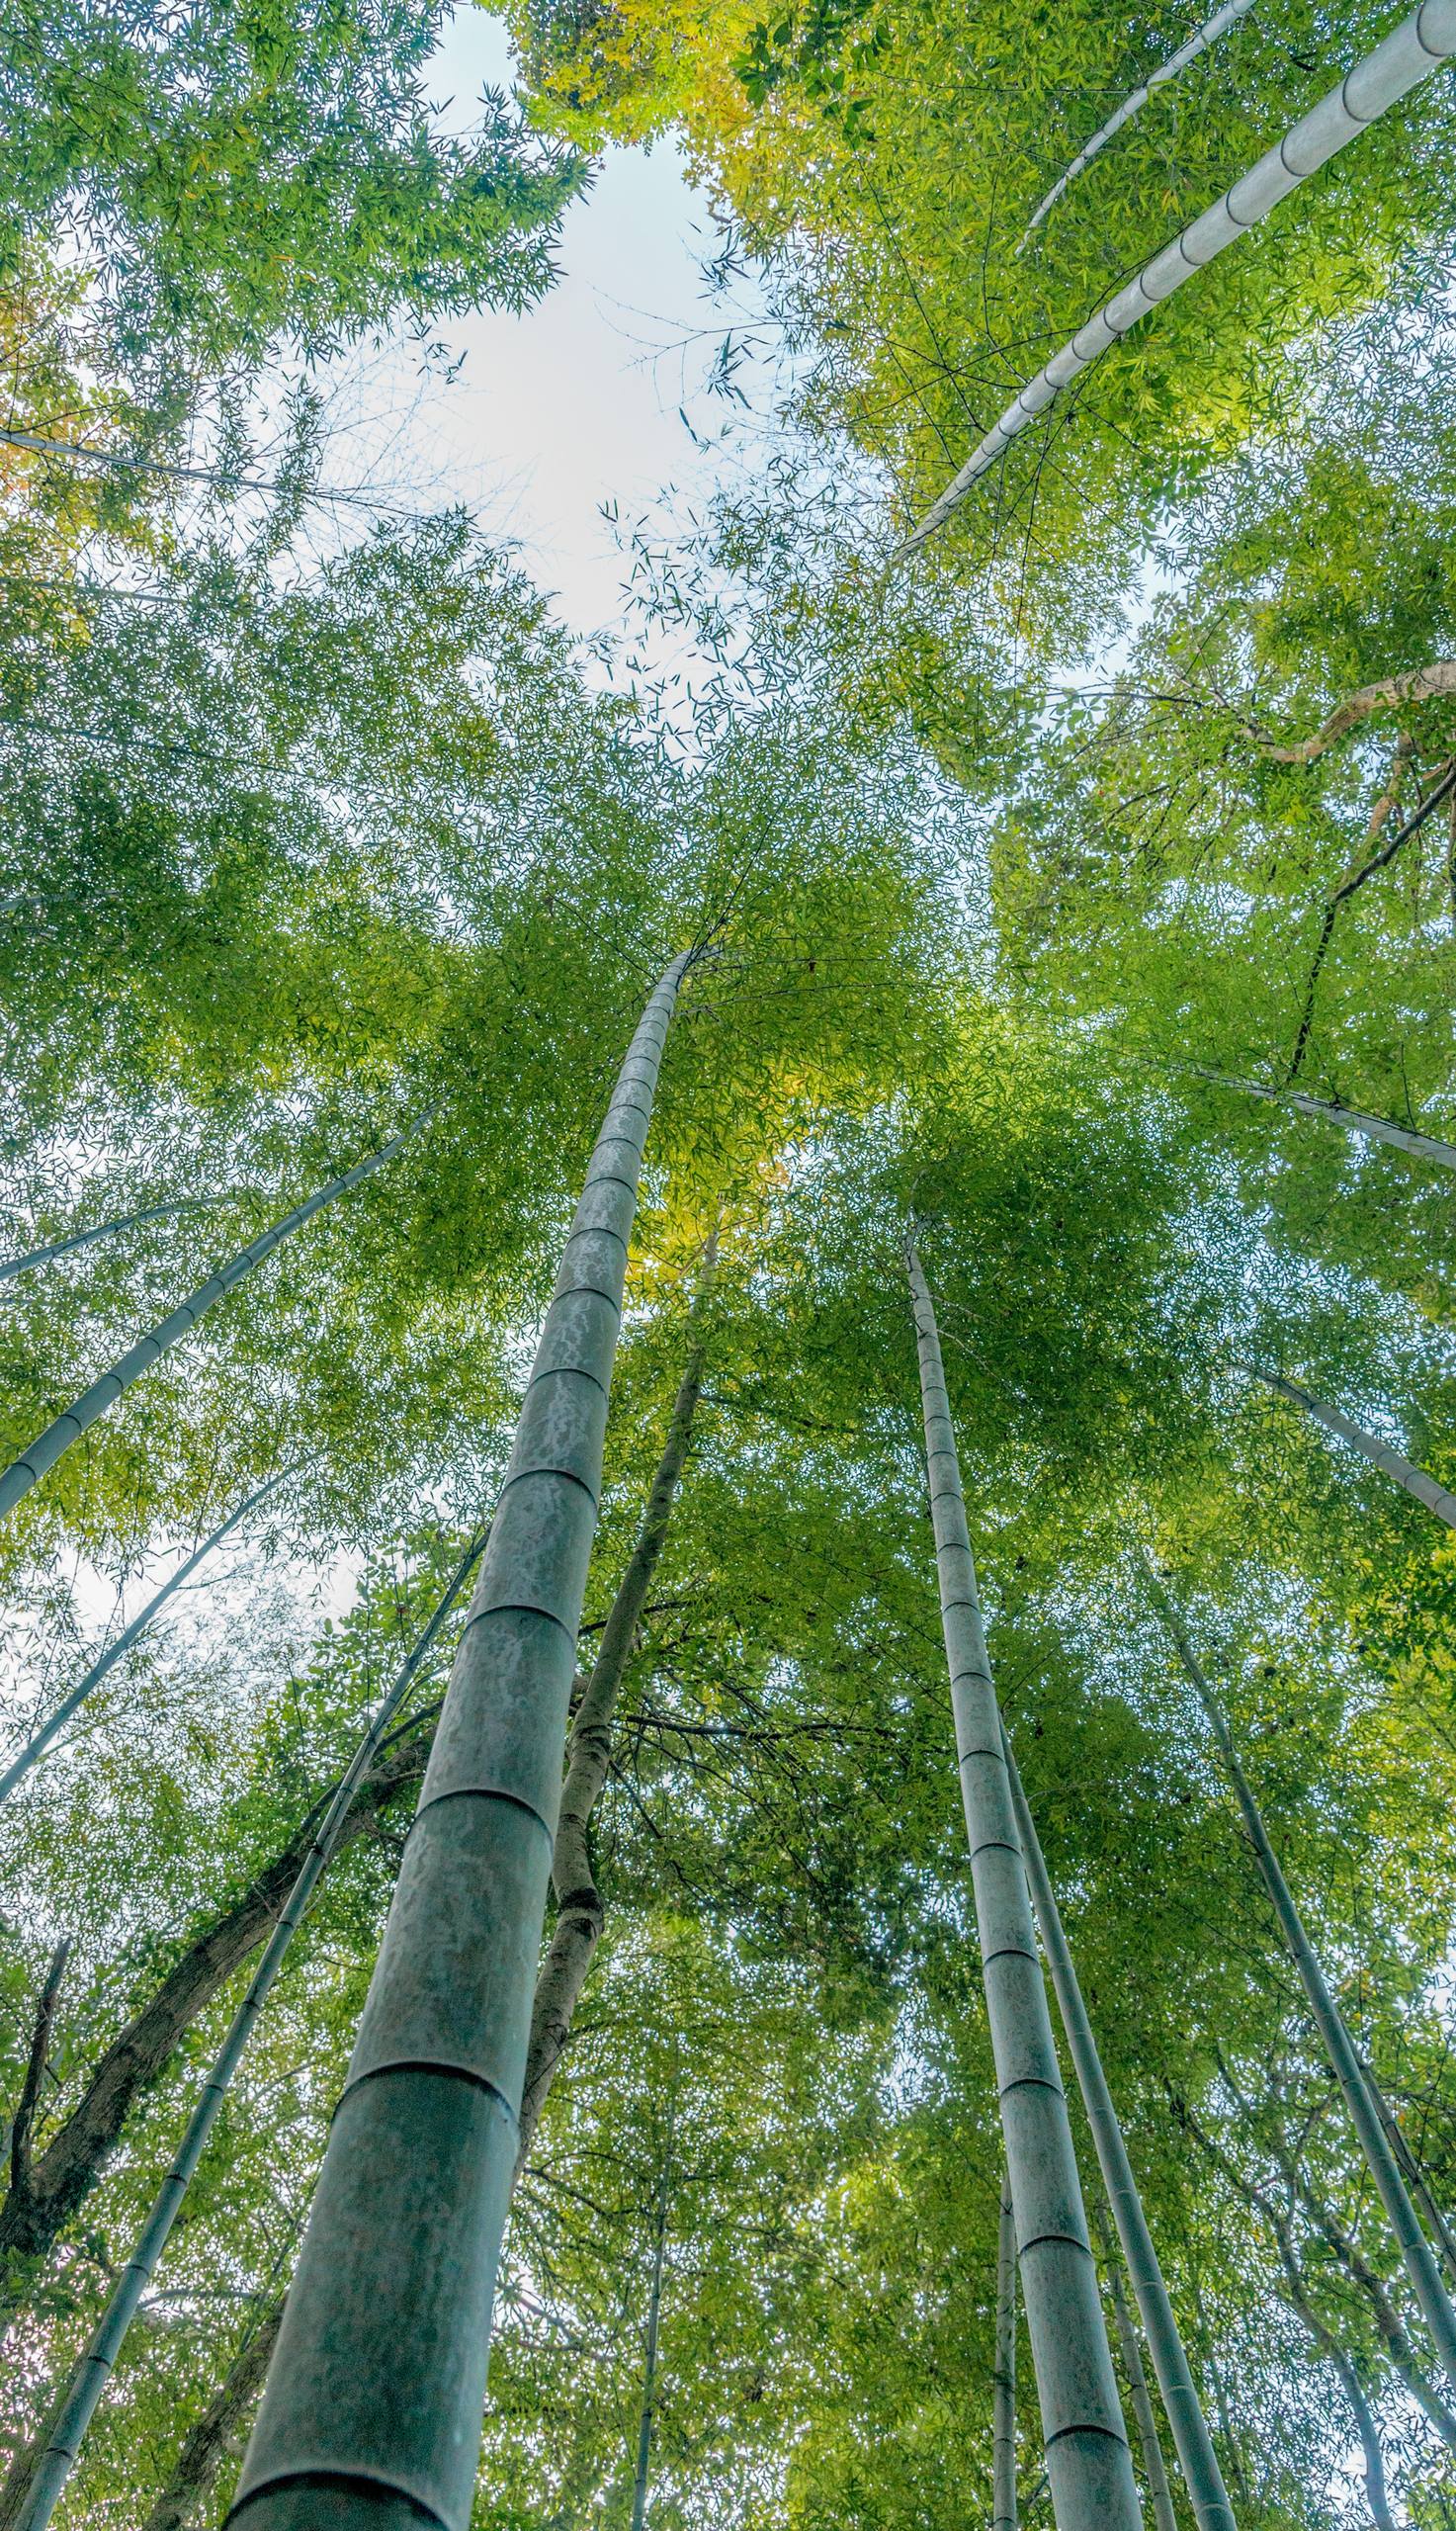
column 56, row 1720
column 1089, row 2464
column 1415, row 2250
column 95, row 2367
column 1351, row 1120
column 1003, row 2402
column 1197, row 2458
column 371, row 2410
column 1415, row 1481
column 68, row 1427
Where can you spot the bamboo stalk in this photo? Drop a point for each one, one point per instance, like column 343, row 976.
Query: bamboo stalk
column 1087, row 2459
column 375, row 2396
column 1191, row 2438
column 1420, row 2261
column 94, row 2369
column 65, row 1428
column 1415, row 1481
column 1003, row 2406
column 1353, row 1121
column 39, row 1741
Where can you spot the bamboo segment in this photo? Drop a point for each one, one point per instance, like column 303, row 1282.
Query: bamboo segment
column 1415, row 1481
column 1003, row 2407
column 39, row 1741
column 103, row 1230
column 1198, row 43
column 95, row 2367
column 57, row 1437
column 373, row 2407
column 1419, row 2260
column 1089, row 2464
column 1419, row 46
column 1352, row 1120
column 1192, row 2440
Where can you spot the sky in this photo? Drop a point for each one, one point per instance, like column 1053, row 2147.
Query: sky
column 576, row 402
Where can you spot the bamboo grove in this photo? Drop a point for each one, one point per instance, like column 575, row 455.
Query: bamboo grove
column 727, row 1791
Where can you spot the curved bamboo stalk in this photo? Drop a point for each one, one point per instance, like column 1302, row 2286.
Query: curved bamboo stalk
column 1415, row 1481
column 94, row 2369
column 39, row 1741
column 103, row 1230
column 1331, row 1112
column 1197, row 2458
column 1386, row 694
column 1199, row 42
column 59, row 1435
column 1089, row 2464
column 1420, row 45
column 1415, row 2251
column 375, row 2396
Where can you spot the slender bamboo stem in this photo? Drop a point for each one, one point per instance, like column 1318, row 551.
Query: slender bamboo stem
column 1086, row 2453
column 1414, row 1481
column 1155, row 2471
column 643, row 2468
column 1004, row 2412
column 373, row 2401
column 13, row 1266
column 1198, row 43
column 40, row 1740
column 1192, row 2440
column 1353, row 1121
column 65, row 1428
column 1420, row 2265
column 94, row 2369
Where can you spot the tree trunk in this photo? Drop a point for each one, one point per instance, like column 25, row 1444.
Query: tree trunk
column 31, row 2504
column 1192, row 2440
column 73, row 2163
column 1003, row 2409
column 1415, row 1481
column 1420, row 2265
column 374, row 2399
column 57, row 1437
column 580, row 1918
column 103, row 1230
column 1375, row 1129
column 39, row 1741
column 1087, row 2459
column 218, row 2435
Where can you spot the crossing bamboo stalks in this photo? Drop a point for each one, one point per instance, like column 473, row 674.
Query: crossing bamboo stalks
column 59, row 1435
column 373, row 2405
column 1415, row 1481
column 39, row 1741
column 1420, row 45
column 1197, row 2458
column 1089, row 2464
column 95, row 2367
column 1004, row 2406
column 1419, row 2260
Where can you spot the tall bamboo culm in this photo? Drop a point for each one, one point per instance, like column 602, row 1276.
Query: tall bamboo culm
column 1003, row 2406
column 93, row 2372
column 56, row 1720
column 65, row 1428
column 371, row 2410
column 1197, row 2458
column 1415, row 2250
column 1089, row 2466
column 1415, row 1481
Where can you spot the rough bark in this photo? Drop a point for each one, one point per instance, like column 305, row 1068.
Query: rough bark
column 74, row 2161
column 23, row 2125
column 219, row 2433
column 1414, row 1481
column 1087, row 2459
column 65, row 1428
column 1415, row 2251
column 579, row 1909
column 373, row 2401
